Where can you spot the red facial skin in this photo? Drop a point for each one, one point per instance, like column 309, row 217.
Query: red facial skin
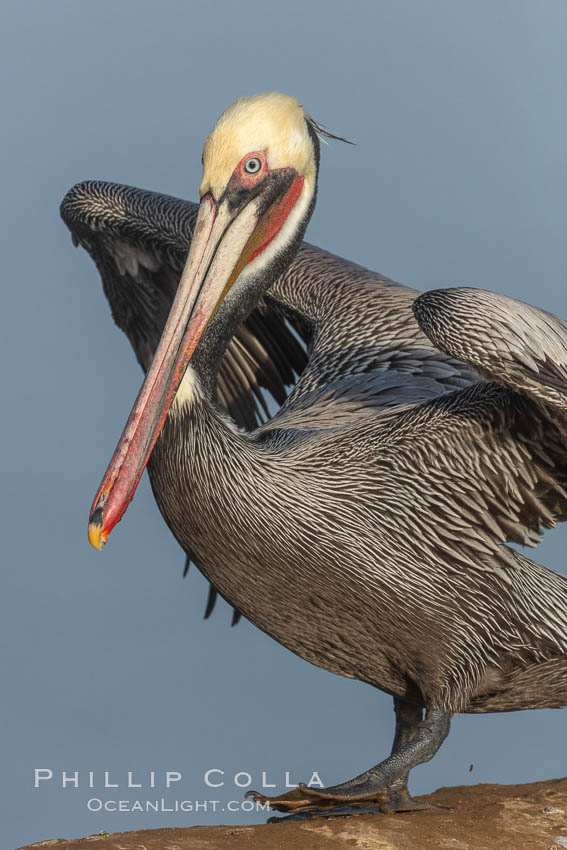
column 279, row 211
column 248, row 181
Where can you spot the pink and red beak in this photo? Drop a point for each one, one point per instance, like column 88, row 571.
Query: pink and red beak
column 226, row 239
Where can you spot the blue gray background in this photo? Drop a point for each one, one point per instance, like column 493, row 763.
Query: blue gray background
column 458, row 177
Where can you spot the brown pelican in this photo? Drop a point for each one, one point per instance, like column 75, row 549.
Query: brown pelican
column 364, row 526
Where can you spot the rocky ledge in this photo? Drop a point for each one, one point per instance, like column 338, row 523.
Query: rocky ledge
column 479, row 817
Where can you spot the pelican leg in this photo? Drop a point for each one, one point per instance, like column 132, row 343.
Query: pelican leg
column 383, row 787
column 408, row 718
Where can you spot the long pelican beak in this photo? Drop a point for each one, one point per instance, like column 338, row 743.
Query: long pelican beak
column 227, row 237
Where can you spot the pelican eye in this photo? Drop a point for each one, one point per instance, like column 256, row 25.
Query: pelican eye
column 252, row 165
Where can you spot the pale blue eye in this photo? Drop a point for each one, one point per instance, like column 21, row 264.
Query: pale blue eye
column 252, row 165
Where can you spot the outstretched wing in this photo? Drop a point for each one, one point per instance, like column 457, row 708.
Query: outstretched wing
column 505, row 340
column 487, row 464
column 139, row 241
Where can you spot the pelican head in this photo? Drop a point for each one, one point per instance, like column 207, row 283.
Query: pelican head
column 258, row 191
column 273, row 127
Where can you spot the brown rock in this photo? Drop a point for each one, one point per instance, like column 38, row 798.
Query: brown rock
column 483, row 817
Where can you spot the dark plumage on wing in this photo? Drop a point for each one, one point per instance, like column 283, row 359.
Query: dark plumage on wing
column 365, row 524
column 139, row 242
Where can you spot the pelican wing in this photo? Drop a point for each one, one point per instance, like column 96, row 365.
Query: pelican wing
column 505, row 340
column 491, row 459
column 353, row 321
column 139, row 241
column 367, row 351
column 348, row 400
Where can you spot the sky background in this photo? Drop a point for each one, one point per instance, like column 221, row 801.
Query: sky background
column 458, row 177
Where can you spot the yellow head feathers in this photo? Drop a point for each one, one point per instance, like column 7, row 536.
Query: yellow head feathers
column 275, row 123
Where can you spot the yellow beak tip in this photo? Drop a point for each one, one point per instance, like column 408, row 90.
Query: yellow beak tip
column 97, row 537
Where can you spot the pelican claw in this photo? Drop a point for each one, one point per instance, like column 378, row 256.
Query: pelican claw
column 320, row 801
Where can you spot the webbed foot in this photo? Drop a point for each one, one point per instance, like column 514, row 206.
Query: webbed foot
column 383, row 788
column 321, row 801
column 303, row 803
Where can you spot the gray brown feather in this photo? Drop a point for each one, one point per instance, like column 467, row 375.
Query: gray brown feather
column 365, row 525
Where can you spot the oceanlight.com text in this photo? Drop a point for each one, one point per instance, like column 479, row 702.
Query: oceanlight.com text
column 95, row 804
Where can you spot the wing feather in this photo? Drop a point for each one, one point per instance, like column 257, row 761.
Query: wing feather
column 139, row 241
column 506, row 340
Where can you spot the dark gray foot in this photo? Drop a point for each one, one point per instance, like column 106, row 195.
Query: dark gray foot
column 383, row 787
column 400, row 801
column 305, row 807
